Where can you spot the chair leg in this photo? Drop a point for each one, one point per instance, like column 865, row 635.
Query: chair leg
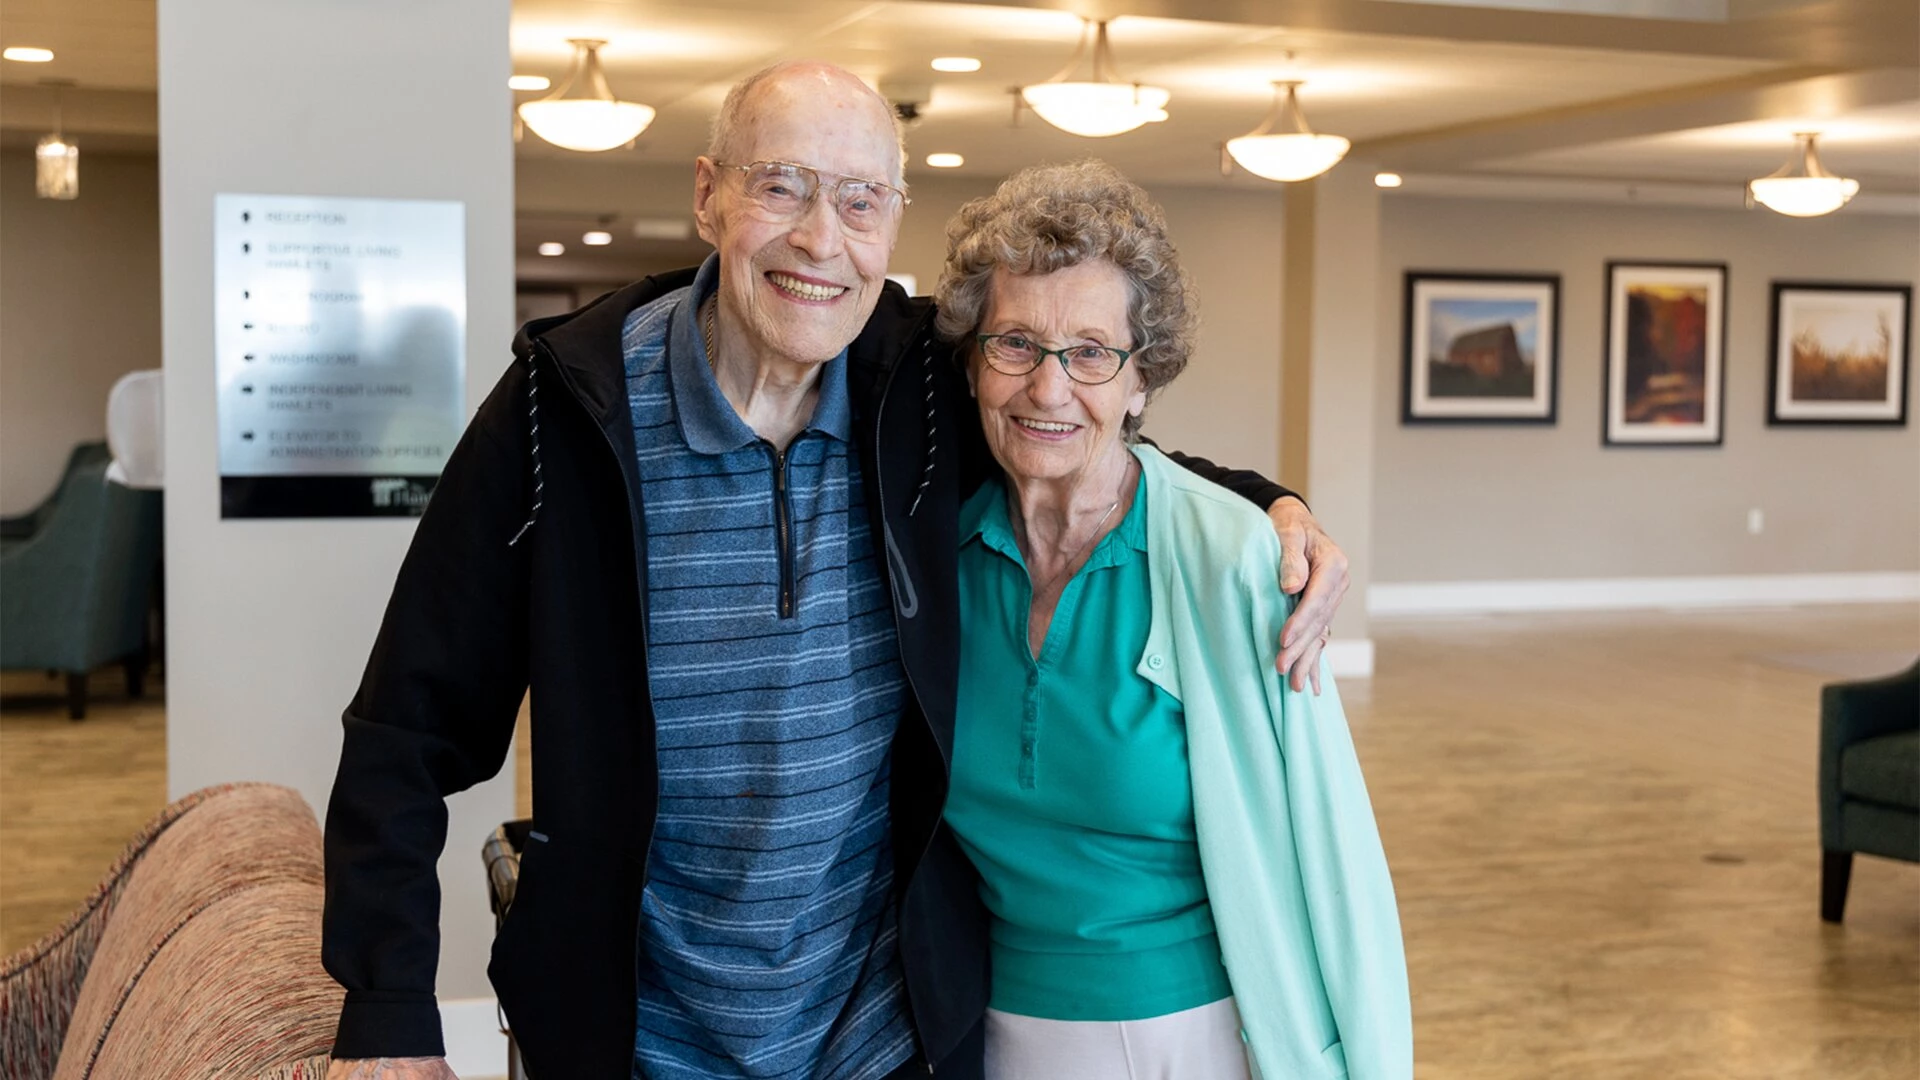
column 77, row 695
column 136, row 669
column 1836, row 870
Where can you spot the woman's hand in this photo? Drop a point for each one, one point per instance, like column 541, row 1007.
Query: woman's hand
column 1309, row 559
column 435, row 1068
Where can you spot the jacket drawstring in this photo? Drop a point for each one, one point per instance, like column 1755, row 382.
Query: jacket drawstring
column 933, row 433
column 533, row 420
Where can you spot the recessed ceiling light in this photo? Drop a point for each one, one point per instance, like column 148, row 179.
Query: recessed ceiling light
column 551, row 248
column 596, row 238
column 946, row 161
column 27, row 55
column 529, row 82
column 956, row 63
column 1387, row 179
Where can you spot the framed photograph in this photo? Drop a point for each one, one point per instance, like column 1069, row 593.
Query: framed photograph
column 1665, row 354
column 1840, row 353
column 1480, row 348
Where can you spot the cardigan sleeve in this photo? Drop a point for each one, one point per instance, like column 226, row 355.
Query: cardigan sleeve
column 1350, row 903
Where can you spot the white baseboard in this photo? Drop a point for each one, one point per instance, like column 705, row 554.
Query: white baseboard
column 1621, row 594
column 1349, row 658
column 476, row 1050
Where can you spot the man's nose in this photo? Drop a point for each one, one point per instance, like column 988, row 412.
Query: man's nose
column 817, row 231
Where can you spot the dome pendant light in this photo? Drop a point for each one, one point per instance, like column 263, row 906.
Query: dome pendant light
column 591, row 119
column 1802, row 187
column 1099, row 108
column 1283, row 147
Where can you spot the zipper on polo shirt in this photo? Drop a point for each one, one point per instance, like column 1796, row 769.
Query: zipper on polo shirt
column 782, row 528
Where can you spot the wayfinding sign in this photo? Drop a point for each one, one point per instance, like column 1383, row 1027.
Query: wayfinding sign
column 340, row 333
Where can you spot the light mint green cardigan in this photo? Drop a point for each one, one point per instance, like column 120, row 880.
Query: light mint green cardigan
column 1292, row 860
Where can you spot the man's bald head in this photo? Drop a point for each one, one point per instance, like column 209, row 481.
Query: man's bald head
column 832, row 87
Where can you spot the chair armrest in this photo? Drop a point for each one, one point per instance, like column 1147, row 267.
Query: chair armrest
column 1851, row 712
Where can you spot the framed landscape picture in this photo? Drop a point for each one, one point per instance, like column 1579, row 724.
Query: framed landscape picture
column 1840, row 353
column 1480, row 348
column 1665, row 354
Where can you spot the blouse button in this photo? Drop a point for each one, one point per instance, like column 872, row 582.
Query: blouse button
column 1156, row 662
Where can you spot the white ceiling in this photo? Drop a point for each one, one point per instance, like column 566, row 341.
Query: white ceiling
column 101, row 44
column 1560, row 89
column 1879, row 144
column 680, row 57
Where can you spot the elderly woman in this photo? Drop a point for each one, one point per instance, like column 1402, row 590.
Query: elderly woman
column 1176, row 848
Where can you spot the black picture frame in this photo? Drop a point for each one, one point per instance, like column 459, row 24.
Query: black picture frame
column 1489, row 351
column 1650, row 396
column 1843, row 308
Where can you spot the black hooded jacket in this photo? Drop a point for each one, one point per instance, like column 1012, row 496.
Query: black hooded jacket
column 528, row 572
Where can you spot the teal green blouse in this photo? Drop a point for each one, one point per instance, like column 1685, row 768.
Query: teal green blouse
column 1071, row 790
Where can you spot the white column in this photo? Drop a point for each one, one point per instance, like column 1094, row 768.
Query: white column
column 1330, row 300
column 270, row 622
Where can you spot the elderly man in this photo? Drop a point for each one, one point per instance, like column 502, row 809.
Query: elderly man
column 710, row 520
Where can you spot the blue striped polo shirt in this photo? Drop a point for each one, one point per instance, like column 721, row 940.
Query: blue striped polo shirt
column 768, row 943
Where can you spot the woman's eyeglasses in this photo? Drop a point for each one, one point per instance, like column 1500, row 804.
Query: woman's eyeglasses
column 1017, row 354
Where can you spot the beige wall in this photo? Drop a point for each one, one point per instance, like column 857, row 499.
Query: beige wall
column 1516, row 503
column 79, row 307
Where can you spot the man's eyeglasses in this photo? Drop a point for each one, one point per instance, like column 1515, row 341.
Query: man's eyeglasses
column 1017, row 354
column 784, row 191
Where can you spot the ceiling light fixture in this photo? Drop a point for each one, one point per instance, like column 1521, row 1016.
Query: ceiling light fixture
column 529, row 82
column 960, row 64
column 592, row 119
column 945, row 161
column 1803, row 187
column 597, row 238
column 1283, row 147
column 56, row 161
column 551, row 248
column 1098, row 108
column 27, row 54
column 1387, row 180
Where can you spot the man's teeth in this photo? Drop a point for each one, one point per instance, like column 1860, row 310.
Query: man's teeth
column 811, row 292
column 1045, row 425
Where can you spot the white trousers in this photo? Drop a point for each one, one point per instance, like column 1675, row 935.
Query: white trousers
column 1196, row 1044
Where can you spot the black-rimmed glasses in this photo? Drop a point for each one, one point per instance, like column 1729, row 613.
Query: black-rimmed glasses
column 1018, row 354
column 784, row 191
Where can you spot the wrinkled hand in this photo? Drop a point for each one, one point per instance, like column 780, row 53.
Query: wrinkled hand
column 1308, row 558
column 420, row 1068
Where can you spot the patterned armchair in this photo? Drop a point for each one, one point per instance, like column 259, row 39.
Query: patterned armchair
column 197, row 956
column 1869, row 778
column 75, row 594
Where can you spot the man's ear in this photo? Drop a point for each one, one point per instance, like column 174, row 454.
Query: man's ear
column 705, row 213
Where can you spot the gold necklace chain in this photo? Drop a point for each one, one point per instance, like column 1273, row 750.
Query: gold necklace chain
column 1118, row 494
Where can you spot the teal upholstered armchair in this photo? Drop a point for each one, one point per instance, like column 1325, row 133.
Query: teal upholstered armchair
column 75, row 594
column 1869, row 778
column 19, row 527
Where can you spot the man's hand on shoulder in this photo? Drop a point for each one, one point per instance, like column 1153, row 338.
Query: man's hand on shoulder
column 391, row 1069
column 1309, row 560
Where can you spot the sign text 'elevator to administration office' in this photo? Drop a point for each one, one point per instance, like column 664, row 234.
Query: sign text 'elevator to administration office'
column 340, row 331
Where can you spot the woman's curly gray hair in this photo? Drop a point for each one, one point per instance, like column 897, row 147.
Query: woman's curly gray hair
column 1050, row 217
